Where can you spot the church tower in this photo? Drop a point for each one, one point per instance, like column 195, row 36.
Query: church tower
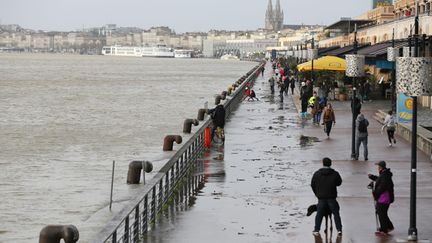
column 269, row 16
column 274, row 17
column 278, row 17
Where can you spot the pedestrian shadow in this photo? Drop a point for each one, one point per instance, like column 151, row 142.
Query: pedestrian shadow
column 328, row 239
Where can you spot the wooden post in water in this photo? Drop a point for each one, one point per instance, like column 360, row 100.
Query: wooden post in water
column 112, row 185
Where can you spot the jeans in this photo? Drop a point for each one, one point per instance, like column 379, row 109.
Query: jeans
column 323, row 205
column 364, row 141
column 385, row 223
column 317, row 117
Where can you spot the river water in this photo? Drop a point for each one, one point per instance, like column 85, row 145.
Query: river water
column 65, row 118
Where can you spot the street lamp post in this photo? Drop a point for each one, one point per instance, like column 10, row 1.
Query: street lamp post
column 312, row 57
column 354, row 95
column 412, row 231
column 393, row 77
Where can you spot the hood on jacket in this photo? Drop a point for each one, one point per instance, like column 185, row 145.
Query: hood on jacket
column 360, row 117
column 386, row 172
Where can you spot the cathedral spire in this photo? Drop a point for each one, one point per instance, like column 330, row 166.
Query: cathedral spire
column 269, row 16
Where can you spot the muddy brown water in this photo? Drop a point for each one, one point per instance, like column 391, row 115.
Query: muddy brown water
column 65, row 118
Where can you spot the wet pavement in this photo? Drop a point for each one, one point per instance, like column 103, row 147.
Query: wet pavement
column 260, row 190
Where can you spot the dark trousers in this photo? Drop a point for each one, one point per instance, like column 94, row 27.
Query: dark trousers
column 324, row 204
column 304, row 106
column 385, row 223
column 272, row 89
column 390, row 135
column 328, row 127
column 292, row 90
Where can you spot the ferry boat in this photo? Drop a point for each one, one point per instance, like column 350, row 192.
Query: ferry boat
column 133, row 51
column 158, row 51
column 180, row 53
column 229, row 57
column 136, row 51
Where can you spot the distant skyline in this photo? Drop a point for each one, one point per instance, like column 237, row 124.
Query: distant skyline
column 182, row 16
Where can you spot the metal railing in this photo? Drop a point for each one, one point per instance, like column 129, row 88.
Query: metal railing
column 131, row 223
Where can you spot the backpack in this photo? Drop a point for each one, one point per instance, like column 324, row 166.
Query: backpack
column 362, row 127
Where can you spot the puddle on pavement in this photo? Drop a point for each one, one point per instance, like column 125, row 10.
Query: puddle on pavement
column 306, row 141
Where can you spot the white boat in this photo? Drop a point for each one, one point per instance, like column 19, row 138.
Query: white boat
column 132, row 51
column 157, row 51
column 229, row 57
column 180, row 53
column 137, row 51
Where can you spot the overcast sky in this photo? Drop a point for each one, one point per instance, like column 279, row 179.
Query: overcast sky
column 181, row 15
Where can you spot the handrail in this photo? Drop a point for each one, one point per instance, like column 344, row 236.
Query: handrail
column 156, row 192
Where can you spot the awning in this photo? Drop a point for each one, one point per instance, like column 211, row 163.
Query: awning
column 330, row 63
column 341, row 52
column 346, row 25
column 380, row 49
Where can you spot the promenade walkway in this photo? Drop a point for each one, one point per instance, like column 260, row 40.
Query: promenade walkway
column 260, row 190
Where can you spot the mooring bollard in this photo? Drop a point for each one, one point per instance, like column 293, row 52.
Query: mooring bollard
column 218, row 99
column 187, row 125
column 54, row 233
column 201, row 114
column 134, row 172
column 169, row 141
column 229, row 90
column 224, row 95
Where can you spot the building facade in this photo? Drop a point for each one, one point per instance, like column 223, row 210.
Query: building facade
column 376, row 3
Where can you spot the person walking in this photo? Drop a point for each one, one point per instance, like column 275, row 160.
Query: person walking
column 390, row 124
column 292, row 85
column 328, row 119
column 314, row 102
column 281, row 90
column 286, row 81
column 324, row 185
column 361, row 136
column 304, row 98
column 272, row 84
column 383, row 194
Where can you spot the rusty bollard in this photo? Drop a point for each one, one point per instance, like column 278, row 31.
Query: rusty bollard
column 54, row 233
column 134, row 172
column 169, row 141
column 229, row 90
column 218, row 99
column 224, row 95
column 234, row 87
column 201, row 114
column 187, row 125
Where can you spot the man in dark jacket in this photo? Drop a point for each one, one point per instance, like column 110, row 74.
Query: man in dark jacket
column 383, row 194
column 324, row 184
column 218, row 117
